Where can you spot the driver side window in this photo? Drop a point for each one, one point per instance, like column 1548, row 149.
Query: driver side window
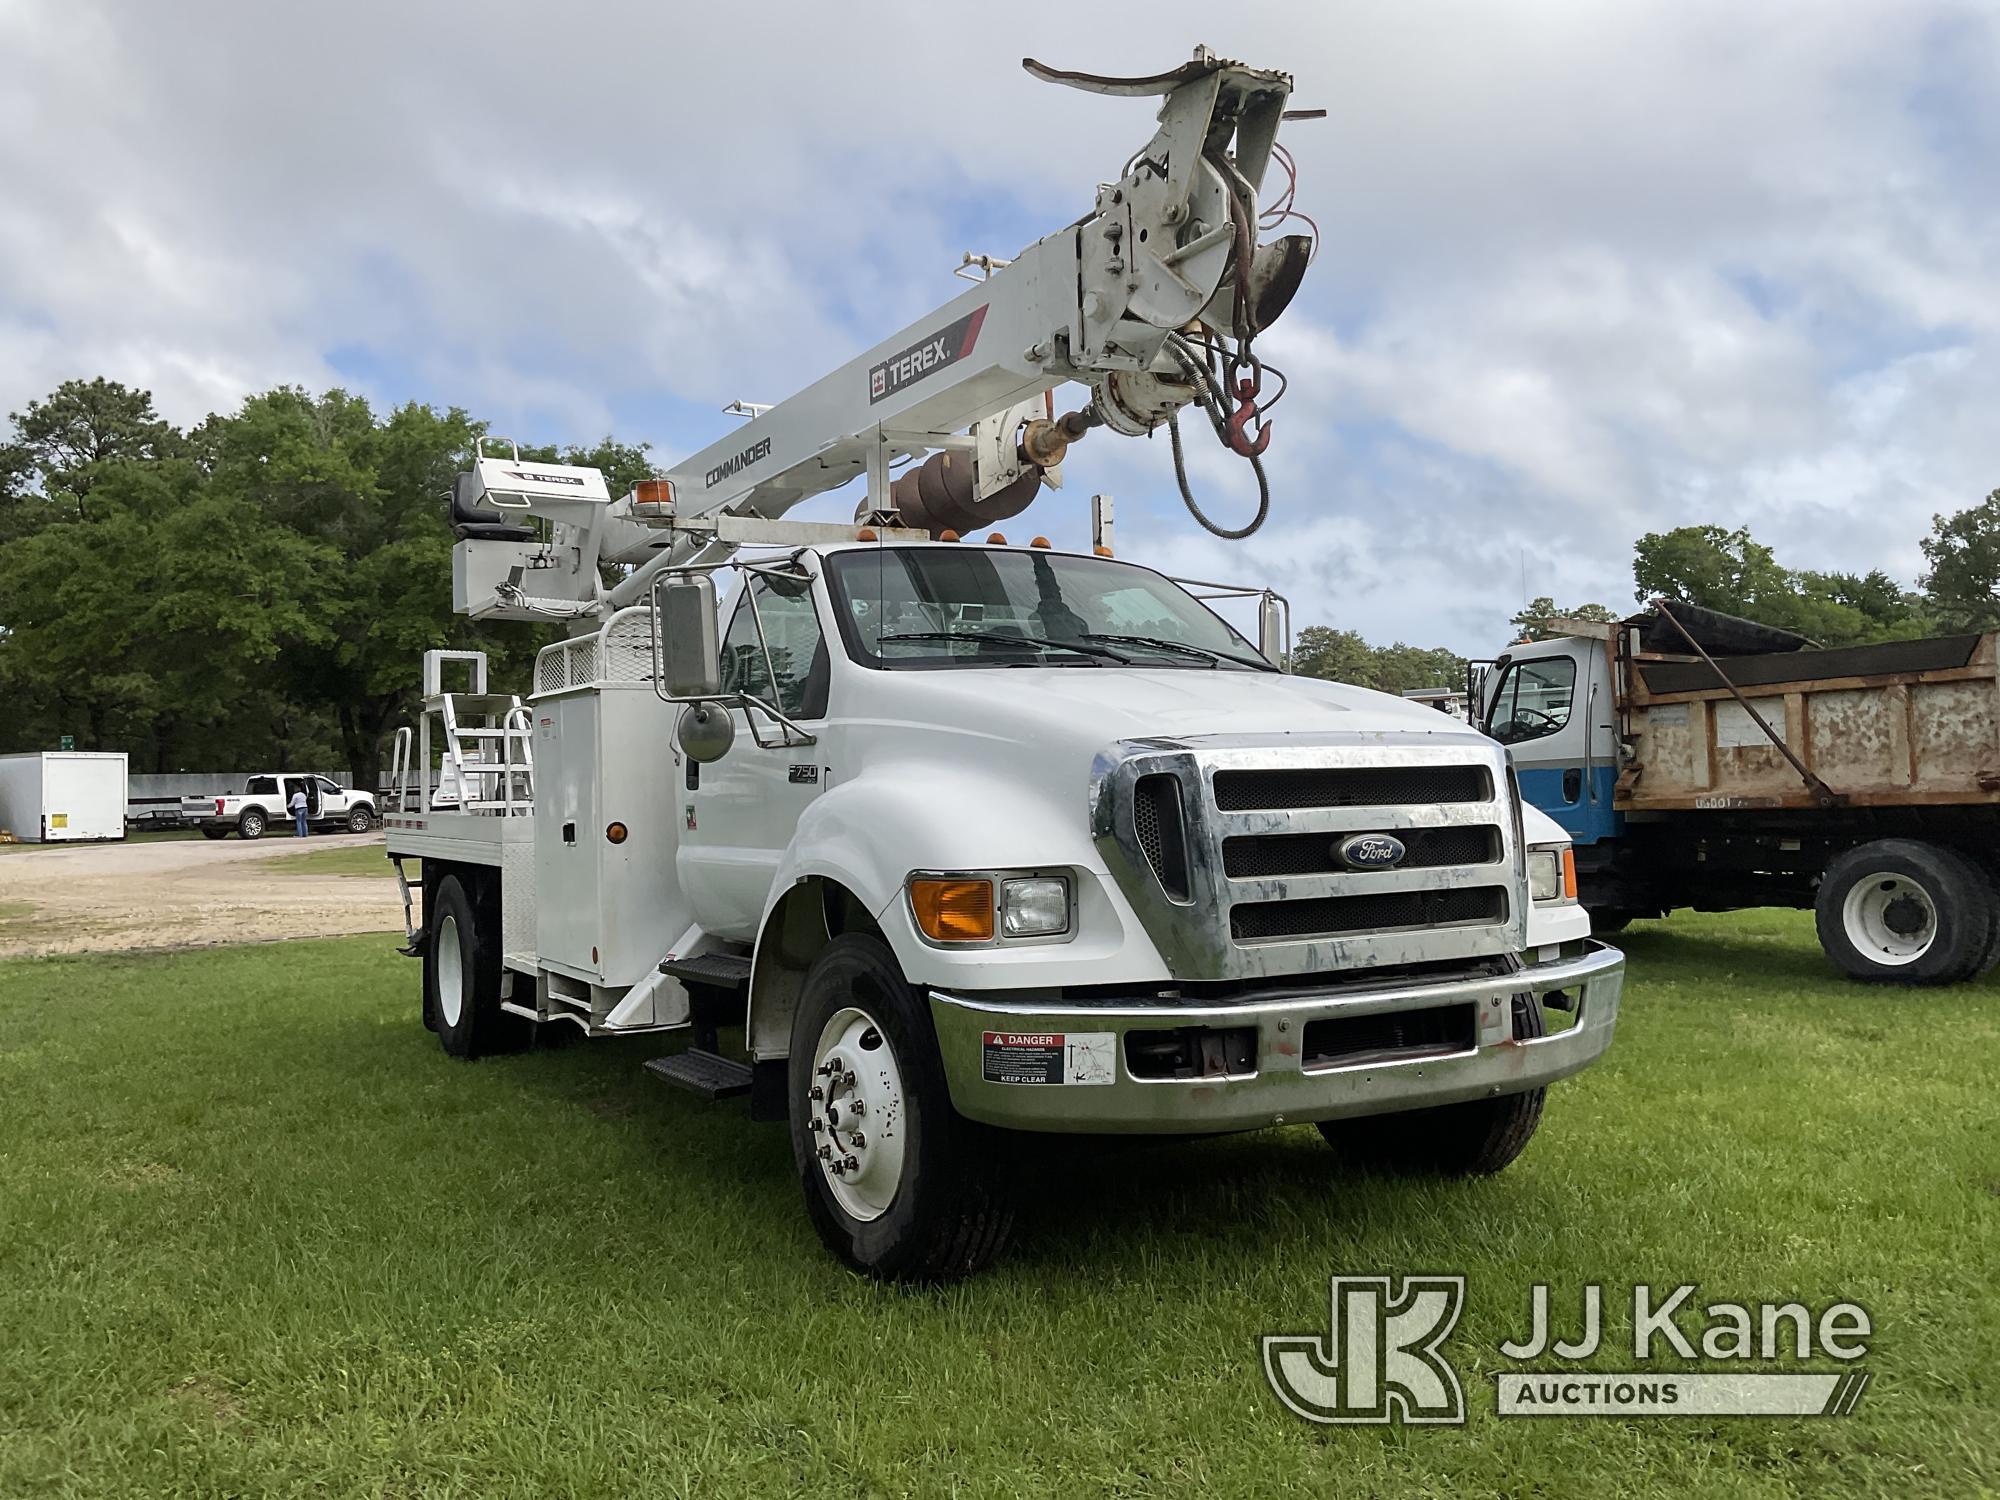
column 798, row 649
column 1533, row 700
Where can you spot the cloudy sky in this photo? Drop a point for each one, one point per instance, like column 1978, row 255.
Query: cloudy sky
column 1590, row 269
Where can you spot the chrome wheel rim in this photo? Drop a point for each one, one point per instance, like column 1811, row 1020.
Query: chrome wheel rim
column 1890, row 918
column 854, row 1104
column 450, row 971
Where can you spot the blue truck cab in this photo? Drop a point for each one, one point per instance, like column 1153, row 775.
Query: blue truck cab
column 1551, row 704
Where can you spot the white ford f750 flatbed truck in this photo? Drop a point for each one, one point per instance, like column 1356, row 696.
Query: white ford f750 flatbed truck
column 973, row 838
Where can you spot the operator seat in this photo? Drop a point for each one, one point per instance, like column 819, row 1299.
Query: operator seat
column 481, row 523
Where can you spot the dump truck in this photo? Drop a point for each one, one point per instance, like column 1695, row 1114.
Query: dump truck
column 1706, row 762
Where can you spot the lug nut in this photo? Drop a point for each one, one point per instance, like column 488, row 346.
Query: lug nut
column 851, row 1164
column 857, row 1140
column 826, row 1153
column 817, row 1124
column 860, row 1108
column 847, row 1080
column 816, row 1094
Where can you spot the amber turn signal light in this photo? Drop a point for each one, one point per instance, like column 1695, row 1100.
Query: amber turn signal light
column 953, row 911
column 1569, row 873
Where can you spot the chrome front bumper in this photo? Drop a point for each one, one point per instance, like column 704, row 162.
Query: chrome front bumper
column 1094, row 1091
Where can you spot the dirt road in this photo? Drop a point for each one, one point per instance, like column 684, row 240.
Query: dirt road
column 184, row 893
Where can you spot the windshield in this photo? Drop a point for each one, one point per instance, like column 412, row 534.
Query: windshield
column 967, row 606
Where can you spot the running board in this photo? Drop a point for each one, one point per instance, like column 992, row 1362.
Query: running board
column 723, row 971
column 706, row 1074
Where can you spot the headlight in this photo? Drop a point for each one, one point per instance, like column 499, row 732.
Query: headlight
column 1034, row 907
column 1552, row 874
column 960, row 907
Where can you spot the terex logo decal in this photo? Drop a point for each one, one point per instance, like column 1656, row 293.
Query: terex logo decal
column 760, row 449
column 926, row 356
column 544, row 478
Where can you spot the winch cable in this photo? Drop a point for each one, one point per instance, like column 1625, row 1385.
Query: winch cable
column 1203, row 382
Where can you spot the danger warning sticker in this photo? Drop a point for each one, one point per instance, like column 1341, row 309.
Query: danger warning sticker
column 1050, row 1057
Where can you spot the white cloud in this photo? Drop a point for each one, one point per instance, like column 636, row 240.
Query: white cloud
column 1590, row 269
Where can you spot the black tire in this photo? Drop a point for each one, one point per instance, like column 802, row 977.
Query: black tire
column 952, row 1207
column 462, row 940
column 1474, row 1139
column 252, row 824
column 360, row 820
column 1899, row 911
column 213, row 831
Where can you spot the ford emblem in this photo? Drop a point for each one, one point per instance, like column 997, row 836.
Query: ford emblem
column 1370, row 851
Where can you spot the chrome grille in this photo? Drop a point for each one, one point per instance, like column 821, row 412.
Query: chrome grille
column 1257, row 856
column 1386, row 911
column 1162, row 833
column 1350, row 786
column 1228, row 848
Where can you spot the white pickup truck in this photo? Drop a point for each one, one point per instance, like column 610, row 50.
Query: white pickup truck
column 266, row 801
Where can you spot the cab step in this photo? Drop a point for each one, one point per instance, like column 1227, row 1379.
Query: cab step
column 722, row 971
column 707, row 1074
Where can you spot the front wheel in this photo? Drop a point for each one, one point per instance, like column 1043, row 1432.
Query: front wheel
column 1474, row 1139
column 360, row 820
column 1898, row 911
column 897, row 1183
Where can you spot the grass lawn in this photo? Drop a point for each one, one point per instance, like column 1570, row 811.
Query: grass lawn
column 259, row 1236
column 344, row 858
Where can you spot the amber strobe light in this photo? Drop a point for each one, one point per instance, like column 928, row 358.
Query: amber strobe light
column 953, row 911
column 1569, row 873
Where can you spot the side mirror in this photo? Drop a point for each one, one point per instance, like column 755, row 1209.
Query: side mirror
column 1271, row 630
column 690, row 647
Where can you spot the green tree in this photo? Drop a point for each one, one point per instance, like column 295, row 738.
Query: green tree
column 1538, row 620
column 1333, row 655
column 1962, row 584
column 155, row 625
column 82, row 426
column 370, row 496
column 1724, row 570
column 1343, row 656
column 1733, row 572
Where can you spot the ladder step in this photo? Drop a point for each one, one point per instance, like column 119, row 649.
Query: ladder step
column 728, row 971
column 703, row 1073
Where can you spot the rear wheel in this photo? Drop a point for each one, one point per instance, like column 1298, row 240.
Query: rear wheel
column 211, row 831
column 251, row 824
column 462, row 977
column 1474, row 1139
column 897, row 1183
column 1898, row 911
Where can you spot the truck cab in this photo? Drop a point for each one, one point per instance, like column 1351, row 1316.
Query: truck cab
column 1552, row 705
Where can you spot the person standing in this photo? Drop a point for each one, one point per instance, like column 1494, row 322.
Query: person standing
column 298, row 805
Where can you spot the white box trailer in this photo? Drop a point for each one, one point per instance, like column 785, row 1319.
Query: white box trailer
column 63, row 796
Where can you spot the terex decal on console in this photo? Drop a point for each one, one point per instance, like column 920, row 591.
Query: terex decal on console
column 926, row 356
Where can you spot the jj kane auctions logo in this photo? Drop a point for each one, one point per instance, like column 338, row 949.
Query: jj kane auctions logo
column 1382, row 1360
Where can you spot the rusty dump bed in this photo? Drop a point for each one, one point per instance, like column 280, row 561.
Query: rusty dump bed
column 1903, row 723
